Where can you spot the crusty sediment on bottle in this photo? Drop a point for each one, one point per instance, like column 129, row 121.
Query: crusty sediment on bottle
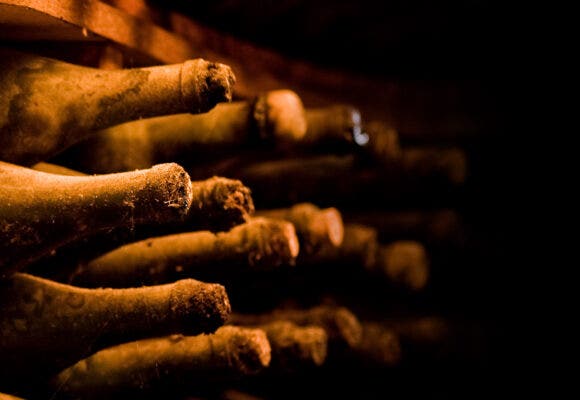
column 48, row 105
column 65, row 323
column 169, row 364
column 40, row 211
column 272, row 118
column 295, row 348
column 218, row 203
column 260, row 244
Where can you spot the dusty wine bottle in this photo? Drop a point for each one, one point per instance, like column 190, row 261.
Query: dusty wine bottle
column 166, row 365
column 403, row 263
column 315, row 227
column 217, row 203
column 341, row 325
column 257, row 245
column 66, row 323
column 295, row 348
column 40, row 211
column 276, row 117
column 48, row 105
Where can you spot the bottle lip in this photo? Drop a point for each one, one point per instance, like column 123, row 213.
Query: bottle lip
column 204, row 84
column 279, row 116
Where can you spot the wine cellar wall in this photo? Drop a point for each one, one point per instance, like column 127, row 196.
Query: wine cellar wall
column 238, row 200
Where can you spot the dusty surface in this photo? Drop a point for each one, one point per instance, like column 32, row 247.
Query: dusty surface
column 280, row 117
column 84, row 205
column 341, row 325
column 49, row 105
column 295, row 348
column 259, row 244
column 316, row 228
column 167, row 364
column 220, row 202
column 65, row 323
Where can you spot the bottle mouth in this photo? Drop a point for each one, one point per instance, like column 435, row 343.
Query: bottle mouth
column 205, row 84
column 279, row 117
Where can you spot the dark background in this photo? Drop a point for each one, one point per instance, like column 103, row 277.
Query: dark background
column 481, row 41
column 480, row 283
column 418, row 39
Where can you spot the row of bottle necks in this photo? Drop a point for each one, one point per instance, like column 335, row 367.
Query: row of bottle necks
column 161, row 113
column 50, row 105
column 102, row 122
column 145, row 119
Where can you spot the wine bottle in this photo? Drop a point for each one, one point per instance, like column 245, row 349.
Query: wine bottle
column 66, row 323
column 275, row 117
column 402, row 263
column 40, row 211
column 315, row 227
column 218, row 203
column 48, row 105
column 295, row 348
column 342, row 327
column 261, row 244
column 173, row 365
